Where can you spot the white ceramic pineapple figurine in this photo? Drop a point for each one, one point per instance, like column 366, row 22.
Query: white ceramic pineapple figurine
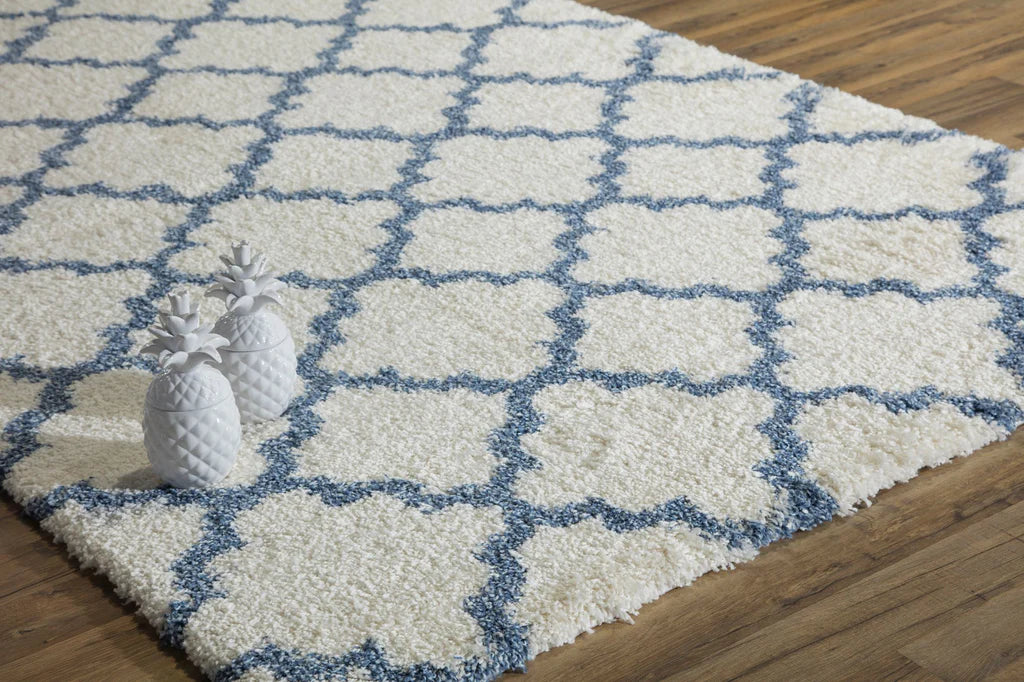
column 259, row 359
column 190, row 422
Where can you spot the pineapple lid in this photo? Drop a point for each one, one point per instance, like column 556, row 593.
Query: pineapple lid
column 246, row 288
column 183, row 346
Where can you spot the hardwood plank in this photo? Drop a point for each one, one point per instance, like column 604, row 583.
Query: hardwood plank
column 988, row 105
column 51, row 611
column 908, row 91
column 832, row 39
column 737, row 21
column 8, row 507
column 1010, row 526
column 976, row 646
column 27, row 555
column 115, row 650
column 862, row 627
column 1012, row 672
column 911, row 48
column 910, row 672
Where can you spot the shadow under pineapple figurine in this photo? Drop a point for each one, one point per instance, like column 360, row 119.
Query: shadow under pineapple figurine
column 190, row 423
column 259, row 359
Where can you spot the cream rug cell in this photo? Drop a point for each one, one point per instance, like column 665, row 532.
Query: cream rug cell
column 585, row 310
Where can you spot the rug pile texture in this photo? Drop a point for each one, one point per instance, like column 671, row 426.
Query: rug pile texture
column 584, row 311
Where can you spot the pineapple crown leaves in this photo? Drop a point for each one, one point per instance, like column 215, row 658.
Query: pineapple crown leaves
column 246, row 286
column 181, row 344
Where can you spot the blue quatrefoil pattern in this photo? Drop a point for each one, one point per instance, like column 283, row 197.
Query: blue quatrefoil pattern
column 584, row 311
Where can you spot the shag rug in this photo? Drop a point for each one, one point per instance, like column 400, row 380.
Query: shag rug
column 584, row 310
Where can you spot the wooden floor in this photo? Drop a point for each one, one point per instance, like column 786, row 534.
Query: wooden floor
column 926, row 584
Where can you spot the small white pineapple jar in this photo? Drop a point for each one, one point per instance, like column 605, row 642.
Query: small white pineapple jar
column 190, row 422
column 259, row 359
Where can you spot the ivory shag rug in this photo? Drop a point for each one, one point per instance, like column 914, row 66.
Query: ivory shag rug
column 584, row 310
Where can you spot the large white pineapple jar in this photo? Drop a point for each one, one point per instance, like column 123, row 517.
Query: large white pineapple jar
column 190, row 422
column 259, row 359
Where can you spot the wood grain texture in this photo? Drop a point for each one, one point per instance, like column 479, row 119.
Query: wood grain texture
column 977, row 646
column 926, row 584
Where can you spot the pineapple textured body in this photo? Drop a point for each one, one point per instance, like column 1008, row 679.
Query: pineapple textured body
column 191, row 427
column 259, row 361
